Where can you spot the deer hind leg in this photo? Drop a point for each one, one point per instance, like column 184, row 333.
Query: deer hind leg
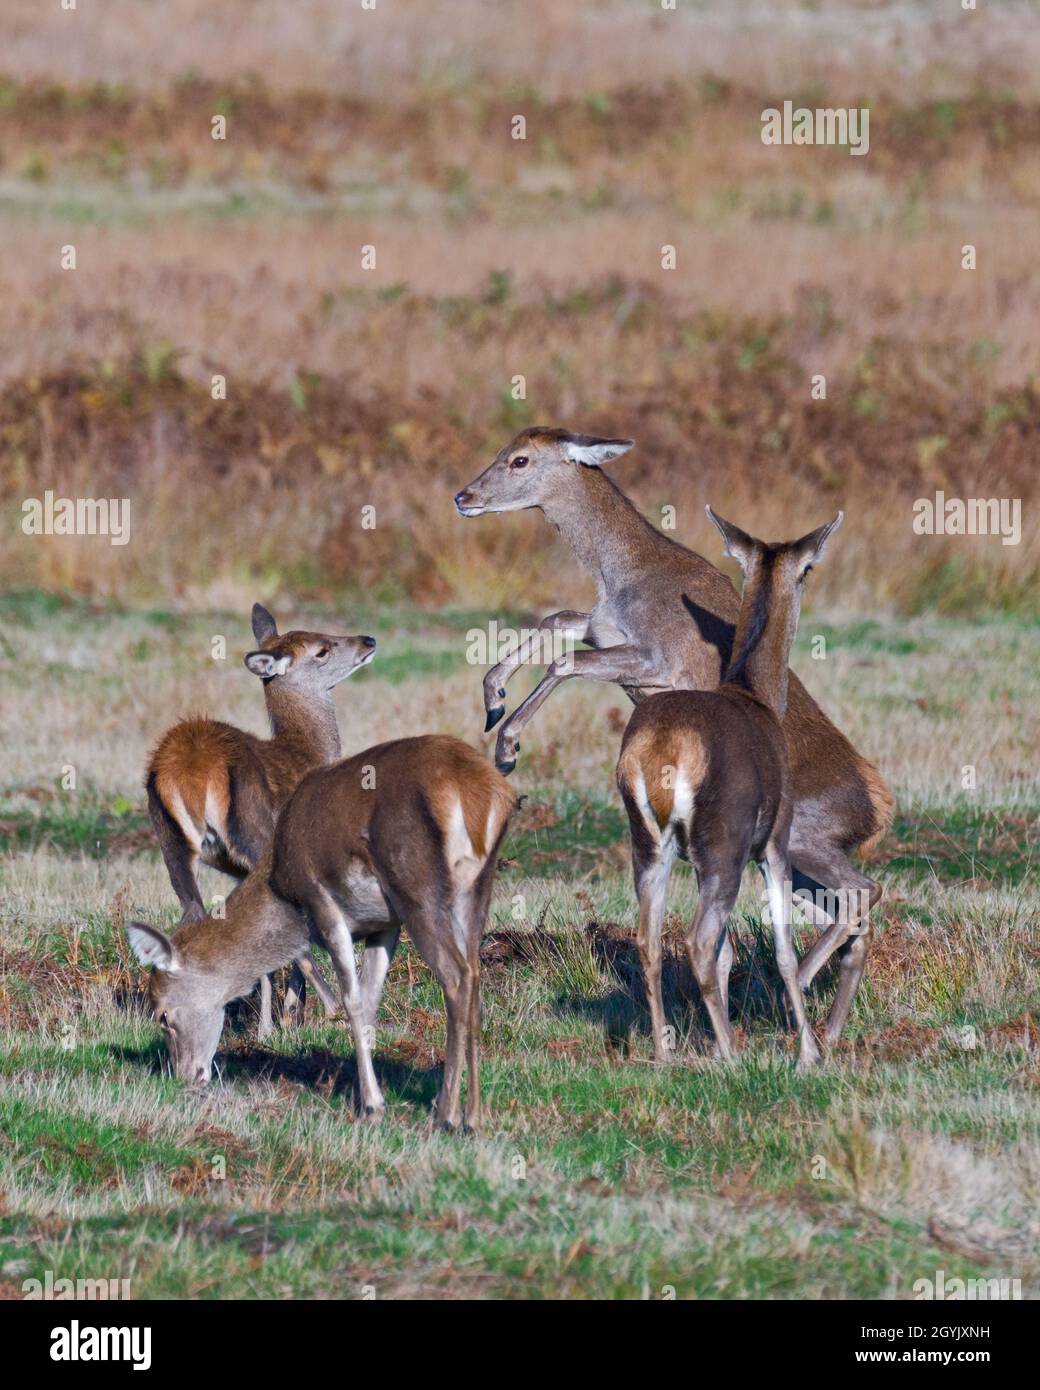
column 180, row 852
column 725, row 965
column 379, row 952
column 266, row 1025
column 776, row 872
column 434, row 932
column 568, row 625
column 847, row 930
column 652, row 869
column 853, row 963
column 474, row 923
column 317, row 981
column 294, row 1004
column 474, row 1112
column 475, row 919
column 705, row 944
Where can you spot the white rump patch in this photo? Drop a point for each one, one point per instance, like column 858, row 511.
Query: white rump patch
column 682, row 805
column 643, row 802
column 179, row 812
column 462, row 857
column 213, row 819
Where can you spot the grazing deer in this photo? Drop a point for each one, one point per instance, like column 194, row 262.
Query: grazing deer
column 403, row 834
column 214, row 791
column 705, row 775
column 664, row 620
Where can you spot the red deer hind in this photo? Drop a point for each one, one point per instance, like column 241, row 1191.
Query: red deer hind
column 214, row 791
column 664, row 620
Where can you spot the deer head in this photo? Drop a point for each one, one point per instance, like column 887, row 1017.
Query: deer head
column 535, row 467
column 187, row 1001
column 774, row 575
column 307, row 662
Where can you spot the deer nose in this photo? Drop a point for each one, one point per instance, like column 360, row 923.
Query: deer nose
column 463, row 498
column 369, row 641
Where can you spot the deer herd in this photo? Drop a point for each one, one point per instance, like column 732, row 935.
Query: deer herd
column 726, row 760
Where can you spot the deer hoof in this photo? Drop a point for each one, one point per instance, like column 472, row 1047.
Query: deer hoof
column 809, row 1058
column 493, row 716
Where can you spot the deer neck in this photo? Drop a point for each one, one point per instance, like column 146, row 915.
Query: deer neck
column 306, row 725
column 259, row 933
column 608, row 536
column 765, row 629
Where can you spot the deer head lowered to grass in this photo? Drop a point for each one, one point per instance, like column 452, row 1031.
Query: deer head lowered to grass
column 664, row 620
column 214, row 790
column 705, row 776
column 403, row 834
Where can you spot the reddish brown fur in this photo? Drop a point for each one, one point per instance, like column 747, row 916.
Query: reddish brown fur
column 726, row 749
column 191, row 761
column 336, row 812
column 662, row 620
column 362, row 848
column 214, row 790
column 653, row 748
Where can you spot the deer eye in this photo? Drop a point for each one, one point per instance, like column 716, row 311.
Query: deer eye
column 520, row 462
column 322, row 655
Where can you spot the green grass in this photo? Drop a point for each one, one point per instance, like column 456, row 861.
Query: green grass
column 999, row 849
column 584, row 827
column 598, row 1174
column 598, row 1181
column 72, row 823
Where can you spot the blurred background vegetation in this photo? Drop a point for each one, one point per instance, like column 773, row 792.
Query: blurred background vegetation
column 499, row 258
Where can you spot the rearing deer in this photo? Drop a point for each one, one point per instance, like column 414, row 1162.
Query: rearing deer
column 664, row 620
column 214, row 790
column 704, row 775
column 406, row 833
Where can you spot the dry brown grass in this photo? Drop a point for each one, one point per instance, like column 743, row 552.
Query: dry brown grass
column 263, row 298
column 498, row 258
column 391, row 388
column 676, row 146
column 720, row 408
column 413, row 46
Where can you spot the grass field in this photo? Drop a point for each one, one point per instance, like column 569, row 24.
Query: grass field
column 497, row 259
column 598, row 1174
column 225, row 358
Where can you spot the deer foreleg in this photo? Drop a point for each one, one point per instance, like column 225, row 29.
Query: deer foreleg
column 569, row 625
column 621, row 665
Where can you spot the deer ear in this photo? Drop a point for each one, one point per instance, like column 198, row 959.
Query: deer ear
column 264, row 625
column 592, row 452
column 737, row 543
column 811, row 547
column 268, row 664
column 153, row 947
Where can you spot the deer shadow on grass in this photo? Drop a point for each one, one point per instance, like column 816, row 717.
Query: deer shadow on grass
column 335, row 1073
column 320, row 1069
column 756, row 990
column 317, row 1069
